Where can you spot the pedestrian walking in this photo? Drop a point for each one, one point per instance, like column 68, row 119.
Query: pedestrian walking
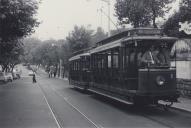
column 34, row 78
column 49, row 74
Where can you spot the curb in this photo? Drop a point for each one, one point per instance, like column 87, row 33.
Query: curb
column 65, row 79
column 180, row 109
column 60, row 78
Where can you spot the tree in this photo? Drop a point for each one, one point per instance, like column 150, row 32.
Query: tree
column 79, row 38
column 15, row 56
column 158, row 8
column 98, row 36
column 65, row 55
column 10, row 59
column 132, row 12
column 171, row 26
column 17, row 18
column 140, row 13
column 30, row 44
column 16, row 21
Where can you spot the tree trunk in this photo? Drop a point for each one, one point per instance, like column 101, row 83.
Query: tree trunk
column 12, row 67
column 4, row 67
column 154, row 16
column 136, row 25
column 154, row 22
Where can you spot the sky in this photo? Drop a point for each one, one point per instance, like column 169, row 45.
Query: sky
column 58, row 17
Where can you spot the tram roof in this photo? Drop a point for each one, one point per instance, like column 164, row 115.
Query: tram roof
column 113, row 44
column 119, row 42
column 150, row 38
column 132, row 32
column 78, row 56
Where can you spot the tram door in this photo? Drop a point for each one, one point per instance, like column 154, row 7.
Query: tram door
column 130, row 68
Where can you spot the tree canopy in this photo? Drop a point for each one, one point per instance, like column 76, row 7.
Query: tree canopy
column 79, row 38
column 141, row 13
column 98, row 36
column 17, row 18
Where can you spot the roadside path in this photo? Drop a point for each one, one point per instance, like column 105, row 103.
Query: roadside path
column 22, row 105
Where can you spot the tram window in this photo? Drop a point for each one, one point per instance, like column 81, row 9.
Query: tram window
column 93, row 62
column 109, row 61
column 156, row 56
column 99, row 64
column 78, row 65
column 123, row 62
column 132, row 57
column 115, row 61
column 127, row 60
column 83, row 65
column 74, row 66
column 86, row 64
column 102, row 62
column 96, row 61
column 139, row 57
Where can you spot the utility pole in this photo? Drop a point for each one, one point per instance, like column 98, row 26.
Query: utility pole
column 60, row 68
column 108, row 3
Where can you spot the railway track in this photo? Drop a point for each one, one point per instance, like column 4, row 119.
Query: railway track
column 141, row 113
column 65, row 99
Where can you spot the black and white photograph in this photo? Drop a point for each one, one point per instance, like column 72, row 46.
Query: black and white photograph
column 95, row 63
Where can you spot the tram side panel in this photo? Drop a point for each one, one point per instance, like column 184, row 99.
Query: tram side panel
column 111, row 78
column 80, row 72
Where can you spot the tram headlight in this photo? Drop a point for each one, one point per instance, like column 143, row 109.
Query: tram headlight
column 160, row 80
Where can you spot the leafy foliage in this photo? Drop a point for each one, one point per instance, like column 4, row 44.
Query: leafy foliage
column 10, row 59
column 171, row 26
column 17, row 18
column 140, row 13
column 79, row 38
column 30, row 44
column 41, row 52
column 49, row 52
column 98, row 36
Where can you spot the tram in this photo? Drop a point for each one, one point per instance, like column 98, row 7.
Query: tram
column 133, row 66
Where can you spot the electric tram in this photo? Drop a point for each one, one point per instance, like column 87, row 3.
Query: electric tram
column 133, row 66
